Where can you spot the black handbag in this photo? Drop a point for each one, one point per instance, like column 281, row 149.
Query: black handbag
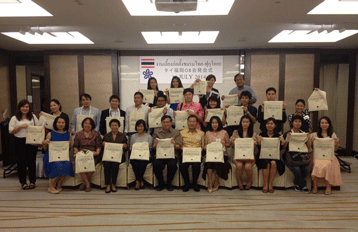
column 298, row 158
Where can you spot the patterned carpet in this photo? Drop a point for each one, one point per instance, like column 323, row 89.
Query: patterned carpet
column 149, row 210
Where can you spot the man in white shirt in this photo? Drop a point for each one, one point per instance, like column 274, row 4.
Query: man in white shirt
column 86, row 109
column 137, row 108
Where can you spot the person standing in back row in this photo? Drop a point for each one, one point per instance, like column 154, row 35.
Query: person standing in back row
column 240, row 86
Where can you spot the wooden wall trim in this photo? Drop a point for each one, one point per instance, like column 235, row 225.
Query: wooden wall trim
column 115, row 73
column 281, row 77
column 351, row 100
column 47, row 82
column 13, row 88
column 247, row 69
column 316, row 73
column 81, row 77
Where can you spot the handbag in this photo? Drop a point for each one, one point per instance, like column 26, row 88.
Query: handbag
column 113, row 152
column 165, row 149
column 234, row 114
column 176, row 95
column 298, row 158
column 215, row 152
column 317, row 101
column 59, row 151
column 140, row 151
column 181, row 118
column 200, row 87
column 85, row 161
column 154, row 117
column 35, row 134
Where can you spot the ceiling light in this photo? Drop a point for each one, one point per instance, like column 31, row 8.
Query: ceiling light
column 25, row 8
column 302, row 36
column 336, row 7
column 9, row 1
column 174, row 37
column 320, row 30
column 311, row 32
column 50, row 38
column 147, row 8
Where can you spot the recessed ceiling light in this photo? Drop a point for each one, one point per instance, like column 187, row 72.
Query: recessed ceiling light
column 302, row 36
column 336, row 7
column 147, row 8
column 72, row 37
column 185, row 37
column 9, row 1
column 24, row 8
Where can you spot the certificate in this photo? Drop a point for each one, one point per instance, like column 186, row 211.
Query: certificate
column 273, row 109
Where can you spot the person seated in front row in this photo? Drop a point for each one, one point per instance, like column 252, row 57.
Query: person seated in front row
column 270, row 166
column 165, row 132
column 298, row 162
column 193, row 108
column 113, row 111
column 193, row 138
column 271, row 96
column 244, row 130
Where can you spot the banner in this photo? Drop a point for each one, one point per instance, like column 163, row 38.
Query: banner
column 215, row 152
column 59, row 151
column 298, row 142
column 273, row 109
column 270, row 148
column 187, row 68
column 113, row 152
column 176, row 95
column 165, row 149
column 317, row 101
column 191, row 155
column 323, row 148
column 234, row 114
column 214, row 112
column 244, row 148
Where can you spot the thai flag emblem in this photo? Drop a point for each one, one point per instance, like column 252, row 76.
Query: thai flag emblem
column 147, row 63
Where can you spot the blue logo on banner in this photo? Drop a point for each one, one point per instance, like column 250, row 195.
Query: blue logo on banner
column 147, row 74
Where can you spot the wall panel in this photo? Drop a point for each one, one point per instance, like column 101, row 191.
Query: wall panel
column 21, row 82
column 355, row 126
column 264, row 74
column 64, row 81
column 299, row 79
column 98, row 79
column 5, row 87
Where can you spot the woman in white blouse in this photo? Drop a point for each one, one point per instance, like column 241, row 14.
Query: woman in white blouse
column 25, row 153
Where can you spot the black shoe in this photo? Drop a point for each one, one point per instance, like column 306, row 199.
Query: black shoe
column 107, row 191
column 160, row 188
column 196, row 187
column 170, row 187
column 297, row 188
column 186, row 188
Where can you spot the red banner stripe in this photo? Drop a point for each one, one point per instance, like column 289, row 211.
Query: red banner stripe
column 147, row 59
column 147, row 66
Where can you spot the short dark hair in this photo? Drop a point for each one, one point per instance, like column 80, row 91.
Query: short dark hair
column 67, row 126
column 86, row 95
column 114, row 97
column 93, row 125
column 138, row 93
column 18, row 111
column 297, row 117
column 270, row 89
column 220, row 127
column 246, row 93
column 192, row 116
column 301, row 100
column 239, row 74
column 208, row 78
column 161, row 94
column 188, row 90
column 271, row 120
column 141, row 122
column 114, row 121
column 179, row 81
column 214, row 98
column 165, row 117
column 57, row 102
column 148, row 85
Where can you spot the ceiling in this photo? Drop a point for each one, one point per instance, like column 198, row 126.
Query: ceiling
column 250, row 24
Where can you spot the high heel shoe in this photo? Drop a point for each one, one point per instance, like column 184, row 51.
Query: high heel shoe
column 210, row 190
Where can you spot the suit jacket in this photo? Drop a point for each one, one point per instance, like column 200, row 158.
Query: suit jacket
column 104, row 115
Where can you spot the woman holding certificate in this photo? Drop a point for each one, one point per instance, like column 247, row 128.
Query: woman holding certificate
column 301, row 111
column 25, row 153
column 245, row 130
column 59, row 170
column 270, row 166
column 56, row 110
column 216, row 133
column 213, row 103
column 111, row 168
column 153, row 85
column 88, row 139
column 210, row 90
column 140, row 165
column 175, row 83
column 327, row 169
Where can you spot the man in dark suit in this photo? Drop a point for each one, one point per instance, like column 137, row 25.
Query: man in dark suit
column 113, row 111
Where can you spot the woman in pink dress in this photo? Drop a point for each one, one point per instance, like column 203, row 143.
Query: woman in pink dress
column 216, row 133
column 326, row 169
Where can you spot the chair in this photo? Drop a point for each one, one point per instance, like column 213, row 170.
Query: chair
column 175, row 181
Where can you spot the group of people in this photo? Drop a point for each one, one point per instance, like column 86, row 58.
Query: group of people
column 93, row 129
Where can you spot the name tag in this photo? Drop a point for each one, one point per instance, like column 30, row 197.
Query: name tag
column 198, row 138
column 218, row 139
